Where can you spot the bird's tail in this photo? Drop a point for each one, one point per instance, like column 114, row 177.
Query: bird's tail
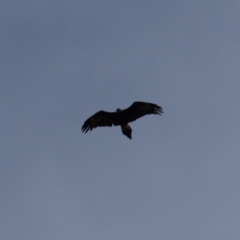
column 126, row 130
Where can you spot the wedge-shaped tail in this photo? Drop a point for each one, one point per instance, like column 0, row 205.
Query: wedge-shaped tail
column 126, row 130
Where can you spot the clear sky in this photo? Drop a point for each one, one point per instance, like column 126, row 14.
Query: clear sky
column 62, row 61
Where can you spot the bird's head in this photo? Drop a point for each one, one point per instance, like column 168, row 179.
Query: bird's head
column 118, row 110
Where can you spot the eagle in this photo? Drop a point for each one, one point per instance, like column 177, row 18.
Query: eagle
column 121, row 117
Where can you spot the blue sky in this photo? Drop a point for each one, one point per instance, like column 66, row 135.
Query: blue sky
column 62, row 61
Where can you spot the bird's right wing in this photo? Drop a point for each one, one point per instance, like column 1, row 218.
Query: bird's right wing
column 140, row 109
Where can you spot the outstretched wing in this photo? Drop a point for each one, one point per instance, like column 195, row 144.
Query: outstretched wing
column 140, row 109
column 99, row 119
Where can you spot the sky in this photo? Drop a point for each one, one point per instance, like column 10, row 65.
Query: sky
column 62, row 61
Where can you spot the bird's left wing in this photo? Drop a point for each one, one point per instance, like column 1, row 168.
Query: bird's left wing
column 99, row 119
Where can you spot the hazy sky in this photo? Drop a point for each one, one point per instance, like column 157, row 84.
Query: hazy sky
column 62, row 61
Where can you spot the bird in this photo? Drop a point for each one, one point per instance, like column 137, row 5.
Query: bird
column 121, row 117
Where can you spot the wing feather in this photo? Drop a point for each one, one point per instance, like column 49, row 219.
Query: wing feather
column 99, row 119
column 140, row 109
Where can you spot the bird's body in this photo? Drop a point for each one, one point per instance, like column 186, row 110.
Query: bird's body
column 121, row 117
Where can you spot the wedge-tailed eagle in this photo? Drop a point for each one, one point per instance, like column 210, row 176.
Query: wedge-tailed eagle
column 121, row 117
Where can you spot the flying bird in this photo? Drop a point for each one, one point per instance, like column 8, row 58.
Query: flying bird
column 121, row 117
